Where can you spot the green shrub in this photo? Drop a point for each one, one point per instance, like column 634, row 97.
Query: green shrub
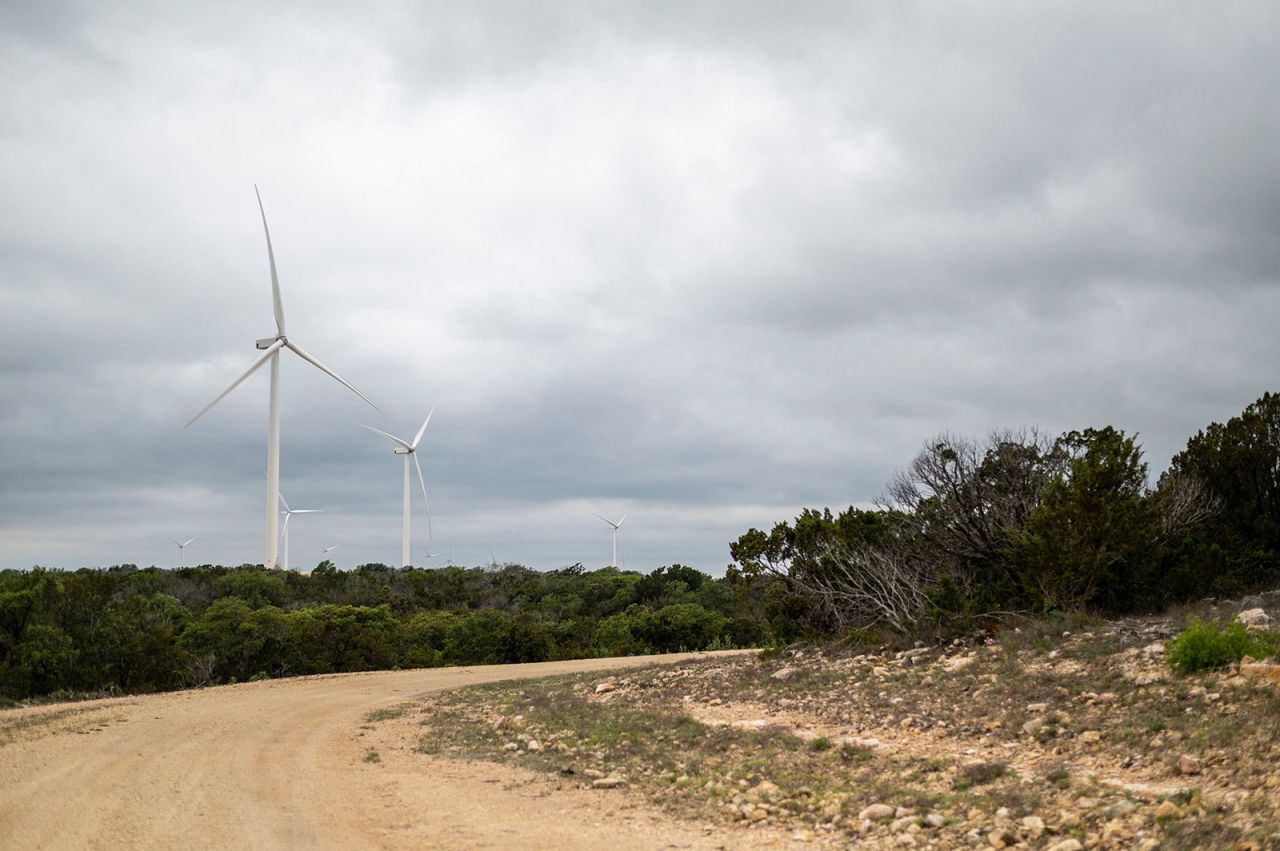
column 1204, row 647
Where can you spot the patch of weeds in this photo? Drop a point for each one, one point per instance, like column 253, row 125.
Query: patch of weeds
column 30, row 726
column 1203, row 646
column 1059, row 776
column 822, row 743
column 978, row 773
column 387, row 714
column 852, row 754
column 371, row 755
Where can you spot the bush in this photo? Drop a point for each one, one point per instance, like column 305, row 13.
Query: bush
column 1204, row 647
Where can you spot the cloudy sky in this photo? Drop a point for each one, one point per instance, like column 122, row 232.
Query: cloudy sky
column 702, row 264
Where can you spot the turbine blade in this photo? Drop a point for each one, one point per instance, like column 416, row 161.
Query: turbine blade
column 307, row 511
column 271, row 258
column 284, row 527
column 262, row 358
column 423, row 482
column 179, row 543
column 283, row 502
column 388, row 436
column 618, row 525
column 188, row 543
column 602, row 517
column 423, row 430
column 298, row 350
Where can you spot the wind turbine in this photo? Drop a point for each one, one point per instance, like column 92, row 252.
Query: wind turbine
column 616, row 527
column 409, row 450
column 284, row 533
column 182, row 545
column 328, row 550
column 271, row 347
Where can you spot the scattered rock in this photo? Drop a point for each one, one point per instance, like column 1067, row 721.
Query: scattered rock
column 784, row 674
column 611, row 782
column 1254, row 618
column 533, row 745
column 1032, row 826
column 602, row 688
column 876, row 812
column 1168, row 810
column 1188, row 764
column 1066, row 845
column 1264, row 672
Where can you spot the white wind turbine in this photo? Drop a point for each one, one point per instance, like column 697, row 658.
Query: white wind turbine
column 182, row 546
column 327, row 550
column 284, row 532
column 616, row 527
column 271, row 347
column 409, row 450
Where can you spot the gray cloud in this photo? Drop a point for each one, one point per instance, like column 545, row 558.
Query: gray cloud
column 702, row 264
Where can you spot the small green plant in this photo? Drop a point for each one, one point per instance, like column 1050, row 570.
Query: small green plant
column 1203, row 646
column 372, row 756
column 821, row 743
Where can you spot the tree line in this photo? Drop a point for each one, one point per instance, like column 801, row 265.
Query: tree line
column 127, row 630
column 1025, row 523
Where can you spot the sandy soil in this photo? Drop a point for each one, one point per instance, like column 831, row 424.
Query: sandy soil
column 284, row 763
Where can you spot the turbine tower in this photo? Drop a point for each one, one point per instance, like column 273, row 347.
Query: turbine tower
column 616, row 527
column 182, row 545
column 284, row 533
column 271, row 347
column 409, row 450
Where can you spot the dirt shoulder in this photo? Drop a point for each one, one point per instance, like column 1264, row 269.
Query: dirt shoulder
column 1057, row 734
column 287, row 764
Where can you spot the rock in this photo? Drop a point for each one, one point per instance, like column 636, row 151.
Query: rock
column 1032, row 826
column 1035, row 725
column 1089, row 737
column 1264, row 672
column 765, row 790
column 1066, row 845
column 1188, row 764
column 1120, row 808
column 981, row 772
column 906, row 840
column 1037, row 708
column 602, row 688
column 1254, row 618
column 611, row 782
column 900, row 824
column 934, row 820
column 876, row 812
column 1154, row 650
column 533, row 745
column 1168, row 810
column 784, row 674
column 511, row 746
column 758, row 814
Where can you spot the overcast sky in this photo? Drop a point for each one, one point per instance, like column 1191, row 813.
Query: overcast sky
column 702, row 264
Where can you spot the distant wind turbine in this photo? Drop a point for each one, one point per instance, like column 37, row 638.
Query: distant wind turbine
column 328, row 550
column 616, row 527
column 182, row 545
column 409, row 450
column 271, row 347
column 284, row 533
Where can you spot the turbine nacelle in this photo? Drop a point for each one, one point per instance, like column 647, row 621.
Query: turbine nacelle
column 266, row 342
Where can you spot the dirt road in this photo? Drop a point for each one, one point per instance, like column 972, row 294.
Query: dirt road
column 284, row 764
